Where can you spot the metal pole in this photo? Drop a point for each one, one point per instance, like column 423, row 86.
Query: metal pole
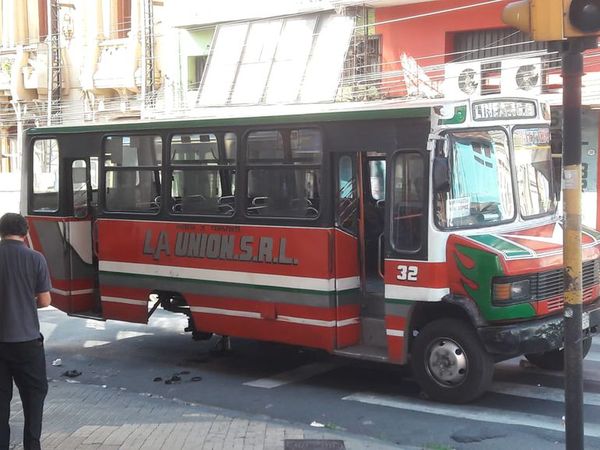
column 50, row 44
column 572, row 71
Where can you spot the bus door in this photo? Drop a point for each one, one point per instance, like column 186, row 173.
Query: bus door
column 359, row 244
column 79, row 234
column 61, row 227
column 408, row 277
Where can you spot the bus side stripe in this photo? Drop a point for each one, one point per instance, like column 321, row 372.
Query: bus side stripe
column 303, row 283
column 414, row 293
column 289, row 319
column 126, row 301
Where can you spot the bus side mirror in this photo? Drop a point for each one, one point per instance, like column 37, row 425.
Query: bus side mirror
column 441, row 175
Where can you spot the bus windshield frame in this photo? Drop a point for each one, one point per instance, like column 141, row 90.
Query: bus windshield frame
column 481, row 184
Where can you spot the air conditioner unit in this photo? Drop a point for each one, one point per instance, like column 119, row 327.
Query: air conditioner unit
column 521, row 76
column 462, row 80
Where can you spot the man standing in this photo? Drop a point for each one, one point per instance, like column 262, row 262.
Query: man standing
column 24, row 287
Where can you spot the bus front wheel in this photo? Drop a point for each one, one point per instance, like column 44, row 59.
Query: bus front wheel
column 450, row 363
column 555, row 359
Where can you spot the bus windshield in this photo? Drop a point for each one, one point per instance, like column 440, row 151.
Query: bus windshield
column 480, row 180
column 533, row 162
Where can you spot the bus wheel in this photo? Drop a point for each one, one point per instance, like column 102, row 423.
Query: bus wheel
column 450, row 363
column 555, row 359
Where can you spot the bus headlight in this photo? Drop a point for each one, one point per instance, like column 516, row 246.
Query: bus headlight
column 506, row 292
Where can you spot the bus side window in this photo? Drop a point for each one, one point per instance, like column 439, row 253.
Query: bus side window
column 94, row 180
column 80, row 188
column 202, row 173
column 409, row 193
column 347, row 197
column 284, row 176
column 132, row 168
column 45, row 175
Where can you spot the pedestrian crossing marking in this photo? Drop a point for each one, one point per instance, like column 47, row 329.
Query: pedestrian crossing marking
column 540, row 392
column 593, row 356
column 469, row 412
column 292, row 376
column 131, row 334
column 92, row 343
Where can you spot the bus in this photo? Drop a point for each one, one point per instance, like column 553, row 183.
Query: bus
column 423, row 233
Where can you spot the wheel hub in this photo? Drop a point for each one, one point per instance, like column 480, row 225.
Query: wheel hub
column 447, row 363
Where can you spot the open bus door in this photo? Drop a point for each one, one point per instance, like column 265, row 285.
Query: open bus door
column 61, row 227
column 381, row 239
column 359, row 247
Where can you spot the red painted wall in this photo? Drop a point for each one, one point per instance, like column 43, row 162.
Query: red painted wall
column 430, row 36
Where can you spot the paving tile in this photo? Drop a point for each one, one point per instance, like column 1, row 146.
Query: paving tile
column 83, row 417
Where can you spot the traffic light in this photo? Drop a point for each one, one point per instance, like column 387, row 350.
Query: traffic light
column 554, row 20
column 582, row 18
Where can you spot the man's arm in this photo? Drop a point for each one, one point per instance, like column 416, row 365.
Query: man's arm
column 42, row 285
column 43, row 299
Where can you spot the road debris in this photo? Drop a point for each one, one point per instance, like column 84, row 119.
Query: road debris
column 57, row 362
column 71, row 373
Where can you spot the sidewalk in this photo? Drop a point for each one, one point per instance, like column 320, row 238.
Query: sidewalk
column 79, row 416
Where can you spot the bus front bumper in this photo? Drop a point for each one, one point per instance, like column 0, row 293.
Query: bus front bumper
column 535, row 336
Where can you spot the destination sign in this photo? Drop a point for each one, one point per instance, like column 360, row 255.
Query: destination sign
column 504, row 110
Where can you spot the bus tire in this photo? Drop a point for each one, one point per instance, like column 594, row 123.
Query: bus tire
column 555, row 359
column 450, row 363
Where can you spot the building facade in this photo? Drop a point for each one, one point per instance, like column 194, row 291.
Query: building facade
column 71, row 62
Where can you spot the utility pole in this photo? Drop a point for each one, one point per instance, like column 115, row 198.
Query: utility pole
column 577, row 21
column 572, row 72
column 148, row 88
column 54, row 81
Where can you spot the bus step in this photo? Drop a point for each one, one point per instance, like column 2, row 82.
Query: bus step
column 94, row 315
column 362, row 351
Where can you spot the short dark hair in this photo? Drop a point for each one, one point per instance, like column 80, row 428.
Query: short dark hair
column 13, row 224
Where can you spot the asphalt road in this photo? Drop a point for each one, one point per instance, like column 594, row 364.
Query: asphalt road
column 524, row 409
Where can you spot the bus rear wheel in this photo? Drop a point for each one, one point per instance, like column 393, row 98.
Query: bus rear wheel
column 555, row 359
column 450, row 363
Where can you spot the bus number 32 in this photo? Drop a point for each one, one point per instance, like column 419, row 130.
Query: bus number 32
column 407, row 273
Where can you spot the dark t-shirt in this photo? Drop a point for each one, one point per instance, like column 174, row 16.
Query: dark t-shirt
column 23, row 275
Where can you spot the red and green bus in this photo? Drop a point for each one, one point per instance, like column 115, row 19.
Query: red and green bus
column 422, row 233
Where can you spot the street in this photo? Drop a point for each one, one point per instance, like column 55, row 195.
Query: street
column 304, row 386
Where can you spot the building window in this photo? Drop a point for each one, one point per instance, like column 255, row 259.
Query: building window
column 362, row 68
column 43, row 19
column 476, row 45
column 196, row 65
column 276, row 61
column 123, row 18
column 116, row 18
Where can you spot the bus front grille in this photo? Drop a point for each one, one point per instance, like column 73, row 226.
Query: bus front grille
column 549, row 285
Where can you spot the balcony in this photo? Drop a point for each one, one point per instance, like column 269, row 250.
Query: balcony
column 117, row 63
column 35, row 72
